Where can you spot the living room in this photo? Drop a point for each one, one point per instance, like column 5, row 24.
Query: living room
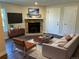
column 42, row 20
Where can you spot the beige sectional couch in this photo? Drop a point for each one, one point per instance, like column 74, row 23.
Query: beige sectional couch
column 57, row 52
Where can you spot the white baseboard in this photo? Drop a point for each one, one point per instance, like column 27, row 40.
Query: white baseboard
column 2, row 53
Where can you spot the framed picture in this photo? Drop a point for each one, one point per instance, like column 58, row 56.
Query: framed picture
column 33, row 11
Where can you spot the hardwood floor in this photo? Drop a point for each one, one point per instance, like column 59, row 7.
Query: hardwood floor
column 15, row 54
column 4, row 57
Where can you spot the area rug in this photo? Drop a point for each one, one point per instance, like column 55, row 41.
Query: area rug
column 37, row 53
column 19, row 55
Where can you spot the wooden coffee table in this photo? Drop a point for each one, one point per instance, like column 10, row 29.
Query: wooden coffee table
column 41, row 39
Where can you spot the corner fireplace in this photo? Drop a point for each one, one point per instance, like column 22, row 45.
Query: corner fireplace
column 34, row 27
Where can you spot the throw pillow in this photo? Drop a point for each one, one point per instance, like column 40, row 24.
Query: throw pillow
column 61, row 42
column 67, row 37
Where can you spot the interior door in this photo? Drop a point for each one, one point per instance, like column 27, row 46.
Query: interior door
column 69, row 19
column 52, row 21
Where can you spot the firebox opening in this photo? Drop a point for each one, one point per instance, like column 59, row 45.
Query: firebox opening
column 34, row 27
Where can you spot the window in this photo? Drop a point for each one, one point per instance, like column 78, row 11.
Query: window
column 4, row 20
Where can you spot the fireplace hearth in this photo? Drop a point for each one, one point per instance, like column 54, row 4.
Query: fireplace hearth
column 34, row 27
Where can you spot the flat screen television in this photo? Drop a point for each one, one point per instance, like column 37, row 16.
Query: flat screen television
column 14, row 18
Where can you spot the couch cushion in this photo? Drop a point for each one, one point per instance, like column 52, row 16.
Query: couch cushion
column 59, row 42
column 62, row 41
column 29, row 45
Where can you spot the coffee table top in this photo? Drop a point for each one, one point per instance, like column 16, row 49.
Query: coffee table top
column 34, row 37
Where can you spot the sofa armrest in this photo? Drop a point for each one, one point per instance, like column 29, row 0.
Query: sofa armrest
column 54, row 52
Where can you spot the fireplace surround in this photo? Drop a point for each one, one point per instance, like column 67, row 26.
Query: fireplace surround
column 33, row 25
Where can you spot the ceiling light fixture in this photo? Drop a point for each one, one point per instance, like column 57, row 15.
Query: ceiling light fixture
column 36, row 3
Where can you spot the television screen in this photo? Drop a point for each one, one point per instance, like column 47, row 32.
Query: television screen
column 14, row 18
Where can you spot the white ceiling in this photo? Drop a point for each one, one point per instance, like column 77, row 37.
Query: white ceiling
column 41, row 2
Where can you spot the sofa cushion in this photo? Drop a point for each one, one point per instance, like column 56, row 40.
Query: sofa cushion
column 59, row 42
column 62, row 41
column 29, row 45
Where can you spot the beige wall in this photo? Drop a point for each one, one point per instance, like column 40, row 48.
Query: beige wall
column 24, row 11
column 14, row 9
column 2, row 42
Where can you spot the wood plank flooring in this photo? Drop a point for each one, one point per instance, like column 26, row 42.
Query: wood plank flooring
column 15, row 54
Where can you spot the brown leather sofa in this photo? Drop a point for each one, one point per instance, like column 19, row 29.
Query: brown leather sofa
column 16, row 32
